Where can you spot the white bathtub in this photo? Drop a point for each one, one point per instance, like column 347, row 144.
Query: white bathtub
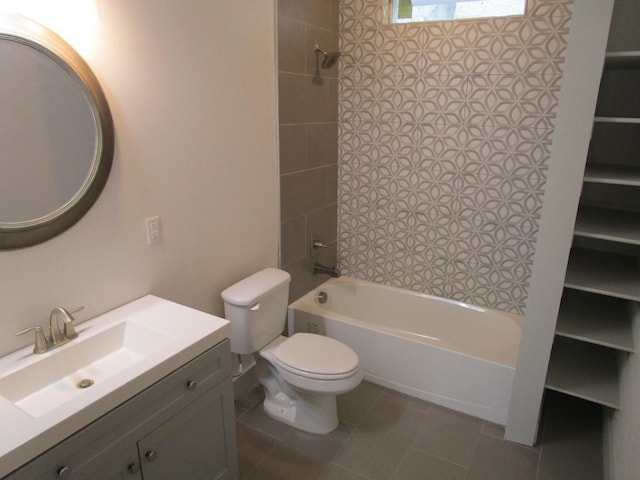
column 456, row 355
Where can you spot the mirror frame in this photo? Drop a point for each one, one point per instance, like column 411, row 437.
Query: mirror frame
column 32, row 232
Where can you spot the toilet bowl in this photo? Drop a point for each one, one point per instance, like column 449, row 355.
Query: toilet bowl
column 301, row 374
column 300, row 387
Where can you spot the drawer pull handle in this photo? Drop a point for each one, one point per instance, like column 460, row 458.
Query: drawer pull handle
column 64, row 472
column 192, row 385
column 151, row 455
column 134, row 468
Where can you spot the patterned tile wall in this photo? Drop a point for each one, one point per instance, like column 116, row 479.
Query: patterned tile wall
column 444, row 133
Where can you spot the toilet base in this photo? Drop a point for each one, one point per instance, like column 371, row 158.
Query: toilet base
column 313, row 413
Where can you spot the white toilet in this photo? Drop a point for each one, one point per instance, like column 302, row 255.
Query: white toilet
column 301, row 374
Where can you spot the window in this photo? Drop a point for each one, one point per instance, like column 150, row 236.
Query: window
column 403, row 11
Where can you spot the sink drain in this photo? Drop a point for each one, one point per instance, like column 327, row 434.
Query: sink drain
column 86, row 383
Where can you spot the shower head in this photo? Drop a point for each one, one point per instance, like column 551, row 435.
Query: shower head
column 328, row 58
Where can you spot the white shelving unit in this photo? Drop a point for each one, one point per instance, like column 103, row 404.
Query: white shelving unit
column 623, row 59
column 600, row 320
column 584, row 371
column 608, row 224
column 613, row 175
column 604, row 273
column 616, row 120
column 594, row 327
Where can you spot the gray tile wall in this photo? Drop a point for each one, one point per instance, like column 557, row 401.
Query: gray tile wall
column 308, row 112
column 444, row 132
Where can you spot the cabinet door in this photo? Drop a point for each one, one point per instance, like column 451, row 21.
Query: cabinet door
column 198, row 442
column 115, row 462
column 119, row 463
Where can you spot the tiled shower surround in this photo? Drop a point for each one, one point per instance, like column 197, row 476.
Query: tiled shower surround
column 444, row 132
column 308, row 113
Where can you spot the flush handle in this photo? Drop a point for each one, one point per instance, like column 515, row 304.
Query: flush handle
column 255, row 307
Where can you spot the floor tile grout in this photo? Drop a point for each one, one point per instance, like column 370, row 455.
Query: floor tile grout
column 379, row 414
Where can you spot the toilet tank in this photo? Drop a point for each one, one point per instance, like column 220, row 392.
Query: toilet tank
column 256, row 307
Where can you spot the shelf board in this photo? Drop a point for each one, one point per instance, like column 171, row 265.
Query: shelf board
column 604, row 273
column 596, row 319
column 602, row 119
column 585, row 371
column 608, row 224
column 612, row 174
column 626, row 59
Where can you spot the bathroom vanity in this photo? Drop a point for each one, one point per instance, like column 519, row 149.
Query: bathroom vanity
column 181, row 426
column 178, row 423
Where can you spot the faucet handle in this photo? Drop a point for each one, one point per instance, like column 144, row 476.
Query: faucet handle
column 67, row 317
column 315, row 244
column 40, row 345
column 69, row 331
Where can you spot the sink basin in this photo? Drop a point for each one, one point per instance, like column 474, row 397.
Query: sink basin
column 64, row 373
column 44, row 398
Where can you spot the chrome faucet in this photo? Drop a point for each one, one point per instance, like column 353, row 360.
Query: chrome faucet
column 68, row 332
column 57, row 336
column 316, row 245
column 319, row 268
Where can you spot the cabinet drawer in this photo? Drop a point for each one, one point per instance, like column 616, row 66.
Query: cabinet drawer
column 180, row 387
column 120, row 429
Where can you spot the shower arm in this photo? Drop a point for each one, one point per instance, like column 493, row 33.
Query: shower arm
column 328, row 58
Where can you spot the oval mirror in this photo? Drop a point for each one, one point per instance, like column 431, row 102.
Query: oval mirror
column 56, row 134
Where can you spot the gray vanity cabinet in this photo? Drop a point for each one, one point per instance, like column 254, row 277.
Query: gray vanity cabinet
column 191, row 444
column 181, row 427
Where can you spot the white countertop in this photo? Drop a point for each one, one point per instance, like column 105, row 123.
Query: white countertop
column 23, row 436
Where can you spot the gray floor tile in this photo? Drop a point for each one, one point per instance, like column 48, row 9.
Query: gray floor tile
column 493, row 430
column 253, row 447
column 354, row 405
column 449, row 435
column 384, row 435
column 417, row 465
column 284, row 464
column 259, row 420
column 320, row 449
column 406, row 401
column 334, row 472
column 496, row 459
column 572, row 440
column 379, row 442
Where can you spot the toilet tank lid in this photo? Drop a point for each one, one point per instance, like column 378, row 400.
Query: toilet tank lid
column 248, row 291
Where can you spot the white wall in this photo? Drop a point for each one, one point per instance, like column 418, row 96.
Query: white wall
column 191, row 86
column 578, row 94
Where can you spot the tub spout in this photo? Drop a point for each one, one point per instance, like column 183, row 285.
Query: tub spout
column 319, row 268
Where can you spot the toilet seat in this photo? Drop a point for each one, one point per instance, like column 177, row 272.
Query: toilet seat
column 316, row 356
column 314, row 363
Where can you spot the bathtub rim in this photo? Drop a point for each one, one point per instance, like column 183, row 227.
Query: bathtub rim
column 308, row 300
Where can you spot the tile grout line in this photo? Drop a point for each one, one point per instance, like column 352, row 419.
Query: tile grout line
column 539, row 462
column 474, row 452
